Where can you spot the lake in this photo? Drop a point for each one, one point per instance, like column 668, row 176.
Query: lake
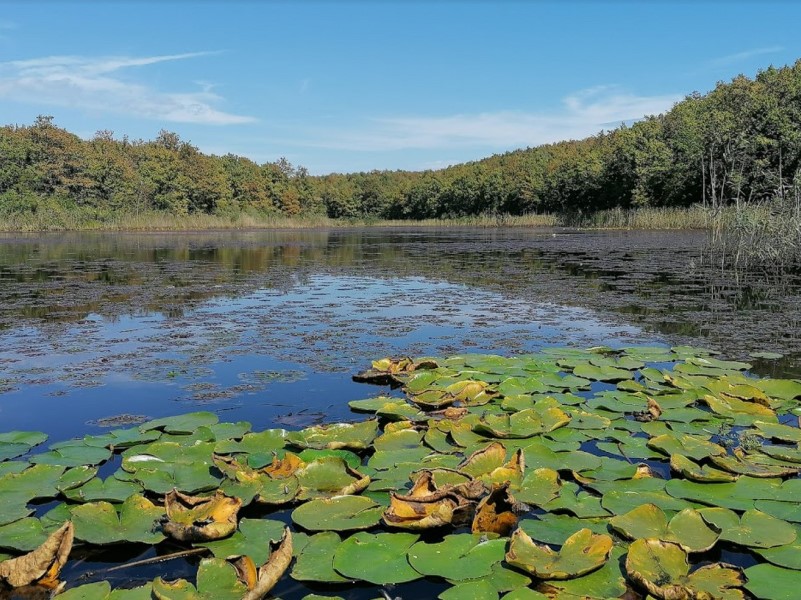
column 269, row 326
column 108, row 330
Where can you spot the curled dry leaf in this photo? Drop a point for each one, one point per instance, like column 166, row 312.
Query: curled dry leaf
column 200, row 519
column 496, row 513
column 424, row 507
column 273, row 569
column 43, row 565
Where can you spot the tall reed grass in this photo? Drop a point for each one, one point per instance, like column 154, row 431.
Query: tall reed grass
column 693, row 217
column 765, row 236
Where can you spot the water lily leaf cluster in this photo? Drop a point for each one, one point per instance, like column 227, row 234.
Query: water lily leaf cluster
column 566, row 474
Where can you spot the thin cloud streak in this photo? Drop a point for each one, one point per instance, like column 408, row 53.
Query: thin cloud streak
column 92, row 83
column 583, row 113
column 741, row 56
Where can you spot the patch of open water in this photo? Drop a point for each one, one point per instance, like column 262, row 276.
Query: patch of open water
column 268, row 326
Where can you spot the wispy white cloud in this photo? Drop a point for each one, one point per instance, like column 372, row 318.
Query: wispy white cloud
column 737, row 57
column 582, row 114
column 94, row 83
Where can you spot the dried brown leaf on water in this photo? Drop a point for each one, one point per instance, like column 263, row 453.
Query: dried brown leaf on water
column 43, row 565
column 424, row 507
column 199, row 518
column 496, row 513
column 273, row 569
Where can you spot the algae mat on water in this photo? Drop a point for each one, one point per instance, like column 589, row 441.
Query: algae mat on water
column 569, row 474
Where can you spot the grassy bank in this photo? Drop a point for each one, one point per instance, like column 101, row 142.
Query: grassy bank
column 694, row 217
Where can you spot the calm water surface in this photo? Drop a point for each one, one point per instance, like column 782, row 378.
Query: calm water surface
column 269, row 326
column 105, row 329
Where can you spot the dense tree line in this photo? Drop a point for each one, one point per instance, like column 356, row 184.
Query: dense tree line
column 741, row 142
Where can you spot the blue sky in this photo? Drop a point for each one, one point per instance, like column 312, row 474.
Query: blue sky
column 350, row 86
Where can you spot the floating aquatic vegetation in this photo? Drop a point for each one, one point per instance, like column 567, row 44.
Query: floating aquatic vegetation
column 569, row 490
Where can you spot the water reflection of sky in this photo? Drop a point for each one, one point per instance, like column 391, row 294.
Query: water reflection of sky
column 273, row 356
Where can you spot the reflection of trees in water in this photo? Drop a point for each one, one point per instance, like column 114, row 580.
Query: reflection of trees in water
column 656, row 278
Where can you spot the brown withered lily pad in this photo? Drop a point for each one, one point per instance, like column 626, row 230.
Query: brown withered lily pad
column 496, row 513
column 43, row 565
column 200, row 519
column 424, row 507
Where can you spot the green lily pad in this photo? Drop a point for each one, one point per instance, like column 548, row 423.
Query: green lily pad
column 315, row 561
column 72, row 455
column 376, row 558
column 457, row 557
column 110, row 489
column 539, row 487
column 217, row 579
column 686, row 445
column 769, row 582
column 263, row 442
column 340, row 513
column 252, row 538
column 501, row 578
column 582, row 553
column 607, row 582
column 75, row 477
column 137, row 521
column 687, row 529
column 784, row 389
column 604, row 373
column 181, row 424
column 352, row 436
column 576, row 501
column 662, row 569
column 754, row 528
column 523, row 424
column 700, row 473
column 329, row 476
column 26, row 534
column 739, row 495
column 474, row 590
column 788, row 555
column 102, row 591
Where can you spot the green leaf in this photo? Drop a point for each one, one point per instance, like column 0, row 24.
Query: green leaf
column 769, row 582
column 754, row 529
column 216, row 580
column 376, row 558
column 340, row 513
column 352, row 436
column 583, row 552
column 457, row 557
column 137, row 521
column 687, row 528
column 316, row 559
column 252, row 539
column 186, row 424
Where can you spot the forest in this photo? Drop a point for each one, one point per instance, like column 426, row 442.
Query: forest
column 738, row 144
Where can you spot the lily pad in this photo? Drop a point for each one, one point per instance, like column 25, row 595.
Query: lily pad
column 583, row 552
column 769, row 582
column 315, row 562
column 687, row 529
column 251, row 539
column 662, row 569
column 376, row 558
column 340, row 513
column 217, row 579
column 754, row 528
column 137, row 521
column 355, row 436
column 181, row 424
column 457, row 557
